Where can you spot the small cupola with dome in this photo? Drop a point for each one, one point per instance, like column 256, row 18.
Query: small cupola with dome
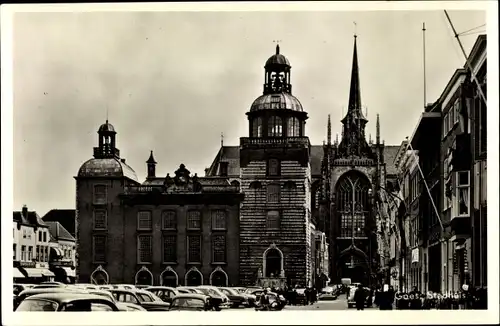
column 277, row 113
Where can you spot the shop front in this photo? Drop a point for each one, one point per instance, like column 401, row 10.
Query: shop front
column 35, row 273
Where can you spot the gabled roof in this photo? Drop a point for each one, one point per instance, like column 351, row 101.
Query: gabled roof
column 64, row 216
column 32, row 219
column 390, row 154
column 229, row 154
column 59, row 232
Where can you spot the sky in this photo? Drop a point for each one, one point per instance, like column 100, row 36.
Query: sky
column 172, row 82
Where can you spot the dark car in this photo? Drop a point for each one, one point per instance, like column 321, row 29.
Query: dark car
column 66, row 301
column 235, row 298
column 191, row 302
column 141, row 298
column 165, row 293
column 188, row 290
column 30, row 292
column 217, row 298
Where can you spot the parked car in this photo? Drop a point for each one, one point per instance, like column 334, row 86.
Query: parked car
column 122, row 306
column 235, row 298
column 188, row 290
column 46, row 286
column 30, row 292
column 18, row 288
column 142, row 298
column 165, row 293
column 218, row 299
column 66, row 301
column 190, row 302
column 249, row 297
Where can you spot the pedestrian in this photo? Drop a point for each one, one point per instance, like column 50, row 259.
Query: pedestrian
column 360, row 297
column 307, row 293
column 370, row 296
column 314, row 295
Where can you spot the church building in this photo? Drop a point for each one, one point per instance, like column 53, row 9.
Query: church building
column 295, row 192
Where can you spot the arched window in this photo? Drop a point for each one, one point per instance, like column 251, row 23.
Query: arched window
column 99, row 276
column 193, row 277
column 275, row 127
column 273, row 262
column 257, row 127
column 352, row 203
column 144, row 277
column 293, row 127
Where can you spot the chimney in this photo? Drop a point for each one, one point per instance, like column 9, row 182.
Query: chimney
column 25, row 211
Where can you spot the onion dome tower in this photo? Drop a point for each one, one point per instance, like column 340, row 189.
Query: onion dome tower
column 277, row 113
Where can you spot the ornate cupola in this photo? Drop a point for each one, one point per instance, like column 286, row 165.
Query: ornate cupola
column 277, row 113
column 107, row 142
column 353, row 143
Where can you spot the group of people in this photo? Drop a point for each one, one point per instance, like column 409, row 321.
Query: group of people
column 293, row 296
column 364, row 297
column 387, row 299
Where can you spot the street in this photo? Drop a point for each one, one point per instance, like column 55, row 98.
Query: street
column 339, row 304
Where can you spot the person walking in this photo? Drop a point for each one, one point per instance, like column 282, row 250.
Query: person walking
column 360, row 297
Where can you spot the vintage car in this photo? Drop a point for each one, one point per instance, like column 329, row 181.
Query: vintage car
column 218, row 299
column 165, row 293
column 145, row 299
column 30, row 292
column 250, row 297
column 66, row 301
column 188, row 290
column 190, row 302
column 236, row 299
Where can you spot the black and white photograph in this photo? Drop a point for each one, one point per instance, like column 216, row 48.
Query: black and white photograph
column 258, row 162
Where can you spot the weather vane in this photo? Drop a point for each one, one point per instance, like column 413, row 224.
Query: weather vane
column 355, row 29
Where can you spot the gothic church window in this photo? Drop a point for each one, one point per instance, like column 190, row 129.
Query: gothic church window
column 352, row 201
column 275, row 127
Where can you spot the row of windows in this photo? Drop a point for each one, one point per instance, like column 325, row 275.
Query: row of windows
column 451, row 118
column 42, row 235
column 145, row 248
column 168, row 220
column 42, row 253
column 275, row 127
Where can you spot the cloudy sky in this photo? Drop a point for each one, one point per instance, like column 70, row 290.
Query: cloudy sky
column 173, row 81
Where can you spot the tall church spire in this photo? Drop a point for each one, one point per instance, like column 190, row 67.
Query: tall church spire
column 354, row 108
column 378, row 130
column 329, row 133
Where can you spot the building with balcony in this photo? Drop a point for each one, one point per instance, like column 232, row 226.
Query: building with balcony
column 30, row 248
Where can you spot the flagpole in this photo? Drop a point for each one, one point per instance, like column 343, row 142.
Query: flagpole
column 426, row 186
column 480, row 90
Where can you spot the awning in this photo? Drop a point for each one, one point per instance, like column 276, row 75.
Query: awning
column 33, row 272
column 58, row 252
column 17, row 273
column 46, row 272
